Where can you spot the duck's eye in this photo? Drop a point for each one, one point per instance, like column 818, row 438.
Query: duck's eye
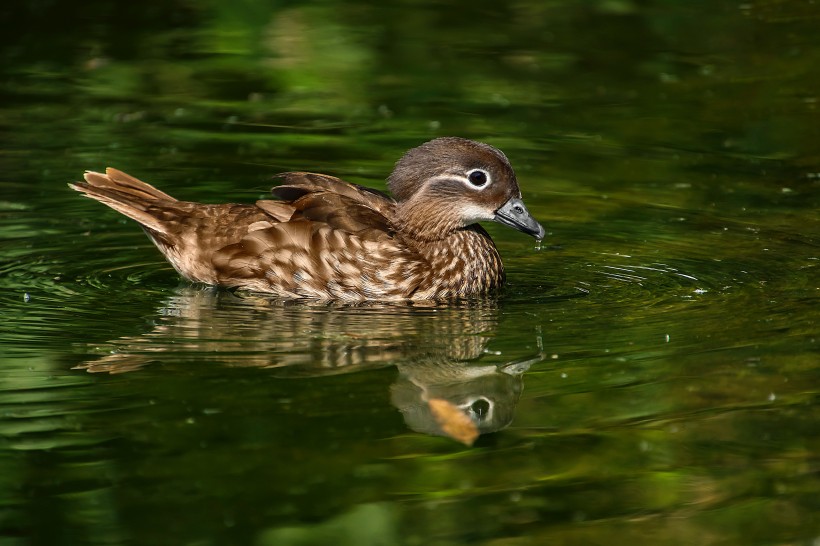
column 477, row 177
column 481, row 407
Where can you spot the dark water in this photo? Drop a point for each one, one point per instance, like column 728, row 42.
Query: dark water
column 649, row 376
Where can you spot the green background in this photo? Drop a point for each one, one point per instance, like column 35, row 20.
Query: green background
column 670, row 149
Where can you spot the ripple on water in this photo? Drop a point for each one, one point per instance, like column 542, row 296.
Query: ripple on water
column 650, row 283
column 57, row 293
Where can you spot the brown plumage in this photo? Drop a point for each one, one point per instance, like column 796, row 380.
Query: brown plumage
column 328, row 239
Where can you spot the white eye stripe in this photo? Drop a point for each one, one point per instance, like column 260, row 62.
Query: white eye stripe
column 466, row 179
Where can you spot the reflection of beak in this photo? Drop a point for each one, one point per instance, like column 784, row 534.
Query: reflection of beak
column 515, row 215
column 518, row 367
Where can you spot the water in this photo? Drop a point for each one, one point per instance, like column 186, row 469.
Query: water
column 648, row 376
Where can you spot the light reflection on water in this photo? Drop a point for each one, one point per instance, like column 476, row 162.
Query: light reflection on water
column 636, row 393
column 631, row 365
column 437, row 348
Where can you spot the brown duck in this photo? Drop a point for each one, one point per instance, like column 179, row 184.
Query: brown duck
column 327, row 239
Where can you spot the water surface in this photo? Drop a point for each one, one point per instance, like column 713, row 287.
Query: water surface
column 648, row 376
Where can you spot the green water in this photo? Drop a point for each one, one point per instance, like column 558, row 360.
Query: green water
column 649, row 376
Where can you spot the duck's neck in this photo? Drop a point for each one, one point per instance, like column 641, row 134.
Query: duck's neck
column 464, row 263
column 425, row 222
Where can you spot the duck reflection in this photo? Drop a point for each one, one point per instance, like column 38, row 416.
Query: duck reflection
column 444, row 386
column 459, row 399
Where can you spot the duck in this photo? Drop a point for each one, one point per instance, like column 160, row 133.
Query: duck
column 322, row 238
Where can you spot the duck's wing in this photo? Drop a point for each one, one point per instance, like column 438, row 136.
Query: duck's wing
column 327, row 200
column 305, row 258
column 325, row 239
column 300, row 184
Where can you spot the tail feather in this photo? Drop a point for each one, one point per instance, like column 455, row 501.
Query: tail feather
column 125, row 194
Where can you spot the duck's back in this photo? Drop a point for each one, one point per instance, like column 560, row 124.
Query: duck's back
column 329, row 239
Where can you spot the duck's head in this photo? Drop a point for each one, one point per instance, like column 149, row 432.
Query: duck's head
column 450, row 183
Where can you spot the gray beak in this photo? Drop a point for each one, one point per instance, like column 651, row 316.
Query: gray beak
column 516, row 215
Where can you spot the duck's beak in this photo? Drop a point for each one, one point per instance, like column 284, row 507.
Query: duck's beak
column 514, row 214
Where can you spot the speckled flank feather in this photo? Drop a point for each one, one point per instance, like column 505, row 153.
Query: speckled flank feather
column 328, row 239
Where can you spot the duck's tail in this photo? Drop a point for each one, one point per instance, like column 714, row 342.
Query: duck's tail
column 125, row 194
